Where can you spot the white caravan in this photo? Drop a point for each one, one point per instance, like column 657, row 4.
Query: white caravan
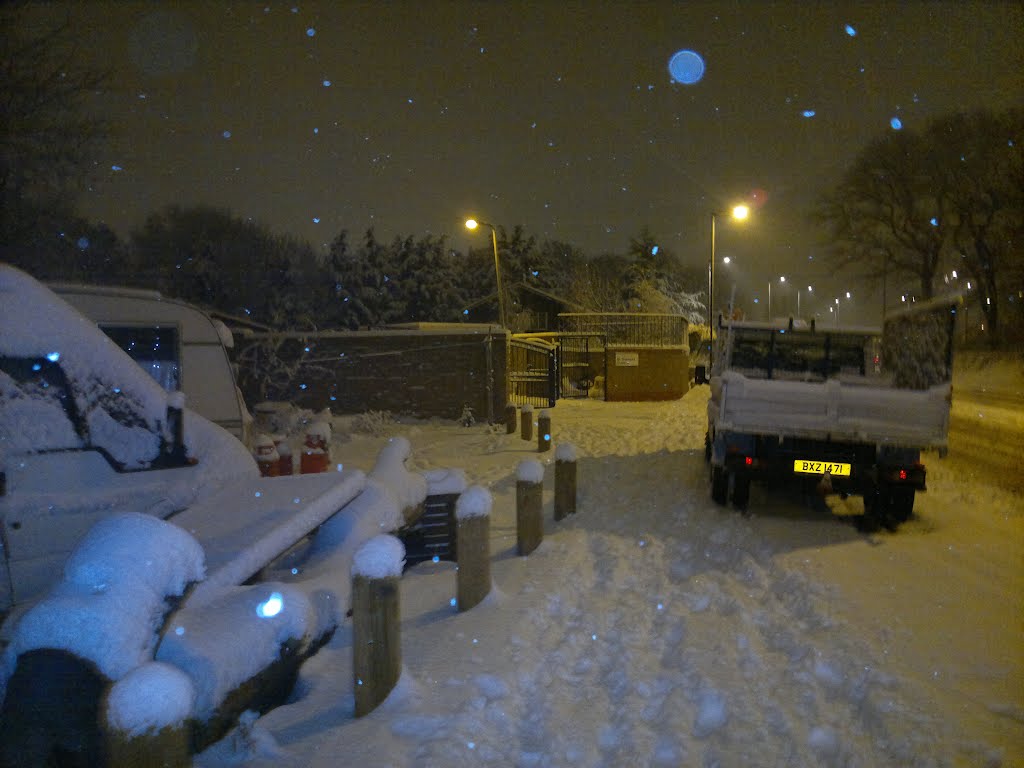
column 176, row 343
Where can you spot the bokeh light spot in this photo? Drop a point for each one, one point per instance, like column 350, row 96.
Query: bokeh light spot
column 851, row 31
column 226, row 134
column 310, row 32
column 271, row 607
column 686, row 67
column 896, row 124
column 809, row 113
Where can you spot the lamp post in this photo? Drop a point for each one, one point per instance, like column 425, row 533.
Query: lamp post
column 473, row 224
column 782, row 279
column 739, row 212
column 810, row 289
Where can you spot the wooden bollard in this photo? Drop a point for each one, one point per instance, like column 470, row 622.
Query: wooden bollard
column 473, row 546
column 544, row 431
column 565, row 480
column 161, row 735
column 527, row 419
column 510, row 418
column 376, row 641
column 529, row 506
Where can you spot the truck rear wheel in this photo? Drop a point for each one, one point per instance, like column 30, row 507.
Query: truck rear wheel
column 719, row 485
column 740, row 491
column 887, row 506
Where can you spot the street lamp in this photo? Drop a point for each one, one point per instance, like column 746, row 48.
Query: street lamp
column 739, row 212
column 810, row 289
column 782, row 279
column 473, row 224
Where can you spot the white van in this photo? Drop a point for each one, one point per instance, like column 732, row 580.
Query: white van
column 178, row 344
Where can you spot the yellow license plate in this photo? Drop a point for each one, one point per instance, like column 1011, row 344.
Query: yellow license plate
column 806, row 467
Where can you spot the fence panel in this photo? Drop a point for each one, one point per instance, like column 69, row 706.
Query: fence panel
column 581, row 364
column 532, row 375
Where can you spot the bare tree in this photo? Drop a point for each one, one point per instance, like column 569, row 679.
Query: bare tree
column 982, row 167
column 46, row 133
column 884, row 215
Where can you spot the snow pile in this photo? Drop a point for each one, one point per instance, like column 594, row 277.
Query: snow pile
column 475, row 502
column 149, row 698
column 113, row 599
column 565, row 452
column 135, row 550
column 379, row 558
column 445, row 481
column 408, row 488
column 223, row 643
column 530, row 471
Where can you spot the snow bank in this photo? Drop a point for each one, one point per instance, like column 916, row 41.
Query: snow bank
column 408, row 488
column 223, row 643
column 135, row 550
column 444, row 481
column 152, row 697
column 380, row 557
column 112, row 601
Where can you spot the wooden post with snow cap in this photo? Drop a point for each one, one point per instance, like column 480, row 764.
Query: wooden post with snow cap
column 376, row 643
column 565, row 480
column 529, row 506
column 510, row 418
column 473, row 546
column 146, row 718
column 527, row 422
column 544, row 431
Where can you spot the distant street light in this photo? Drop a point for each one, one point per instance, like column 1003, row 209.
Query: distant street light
column 810, row 289
column 739, row 213
column 473, row 224
column 782, row 279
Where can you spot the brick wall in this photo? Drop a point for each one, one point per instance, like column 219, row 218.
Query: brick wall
column 425, row 371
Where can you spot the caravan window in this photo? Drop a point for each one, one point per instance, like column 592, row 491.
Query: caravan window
column 154, row 348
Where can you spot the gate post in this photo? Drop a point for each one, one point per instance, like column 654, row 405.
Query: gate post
column 376, row 641
column 473, row 548
column 565, row 480
column 527, row 419
column 510, row 418
column 529, row 506
column 544, row 431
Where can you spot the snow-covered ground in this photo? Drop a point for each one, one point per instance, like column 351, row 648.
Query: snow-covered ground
column 655, row 628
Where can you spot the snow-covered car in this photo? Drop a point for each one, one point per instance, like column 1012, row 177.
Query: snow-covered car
column 85, row 433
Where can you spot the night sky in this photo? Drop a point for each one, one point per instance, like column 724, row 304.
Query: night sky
column 562, row 117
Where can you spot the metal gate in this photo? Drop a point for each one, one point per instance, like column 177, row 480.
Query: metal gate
column 532, row 377
column 582, row 364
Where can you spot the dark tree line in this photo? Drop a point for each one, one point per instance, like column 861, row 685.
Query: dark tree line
column 918, row 205
column 213, row 258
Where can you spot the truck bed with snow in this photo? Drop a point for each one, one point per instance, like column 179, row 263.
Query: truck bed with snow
column 845, row 410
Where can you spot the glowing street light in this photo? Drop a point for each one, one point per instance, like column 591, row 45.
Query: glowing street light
column 739, row 213
column 473, row 224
